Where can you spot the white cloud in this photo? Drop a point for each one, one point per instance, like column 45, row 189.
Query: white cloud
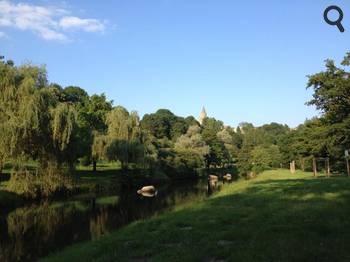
column 50, row 23
column 88, row 25
column 49, row 34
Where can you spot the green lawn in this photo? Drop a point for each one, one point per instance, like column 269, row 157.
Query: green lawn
column 104, row 178
column 275, row 217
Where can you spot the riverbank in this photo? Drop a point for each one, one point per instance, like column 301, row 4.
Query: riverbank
column 109, row 177
column 105, row 179
column 39, row 229
column 275, row 217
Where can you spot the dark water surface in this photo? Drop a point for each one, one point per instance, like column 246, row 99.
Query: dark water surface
column 30, row 232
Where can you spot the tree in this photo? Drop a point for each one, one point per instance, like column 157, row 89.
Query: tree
column 124, row 136
column 36, row 125
column 27, row 113
column 99, row 147
column 331, row 96
column 7, row 104
column 228, row 137
column 95, row 111
column 273, row 132
column 264, row 158
column 261, row 145
column 92, row 125
column 191, row 149
column 305, row 142
column 64, row 122
column 164, row 124
column 191, row 121
column 76, row 95
column 218, row 154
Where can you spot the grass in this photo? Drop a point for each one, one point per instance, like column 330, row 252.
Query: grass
column 104, row 178
column 275, row 217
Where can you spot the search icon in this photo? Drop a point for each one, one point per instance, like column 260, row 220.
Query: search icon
column 336, row 22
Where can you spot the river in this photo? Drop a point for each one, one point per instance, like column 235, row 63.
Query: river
column 33, row 231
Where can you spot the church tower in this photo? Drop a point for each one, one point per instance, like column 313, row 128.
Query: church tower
column 202, row 116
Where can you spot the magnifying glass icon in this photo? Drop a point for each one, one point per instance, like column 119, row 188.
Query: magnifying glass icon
column 336, row 22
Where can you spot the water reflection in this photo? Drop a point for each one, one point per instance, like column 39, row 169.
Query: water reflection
column 34, row 231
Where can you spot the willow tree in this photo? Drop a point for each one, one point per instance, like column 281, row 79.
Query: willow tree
column 124, row 136
column 99, row 147
column 21, row 108
column 123, row 125
column 7, row 104
column 91, row 120
column 39, row 126
column 3, row 145
column 63, row 129
column 34, row 124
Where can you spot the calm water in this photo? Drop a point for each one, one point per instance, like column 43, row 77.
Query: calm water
column 34, row 231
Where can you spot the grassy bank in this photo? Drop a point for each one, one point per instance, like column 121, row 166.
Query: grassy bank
column 276, row 217
column 104, row 179
column 108, row 178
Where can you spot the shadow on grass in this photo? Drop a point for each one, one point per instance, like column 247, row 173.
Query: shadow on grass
column 269, row 220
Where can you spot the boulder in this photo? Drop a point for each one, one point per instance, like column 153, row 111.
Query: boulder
column 147, row 189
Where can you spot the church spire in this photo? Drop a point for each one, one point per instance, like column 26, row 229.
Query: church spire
column 202, row 116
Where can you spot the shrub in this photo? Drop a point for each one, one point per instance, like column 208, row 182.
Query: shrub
column 24, row 183
column 45, row 183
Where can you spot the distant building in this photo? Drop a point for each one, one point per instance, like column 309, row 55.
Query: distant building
column 202, row 116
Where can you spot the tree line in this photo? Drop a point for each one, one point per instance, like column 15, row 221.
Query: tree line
column 59, row 127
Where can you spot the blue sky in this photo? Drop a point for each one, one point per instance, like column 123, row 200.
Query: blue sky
column 242, row 60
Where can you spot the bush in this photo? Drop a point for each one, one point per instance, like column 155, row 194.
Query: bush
column 24, row 183
column 46, row 183
column 257, row 169
column 53, row 181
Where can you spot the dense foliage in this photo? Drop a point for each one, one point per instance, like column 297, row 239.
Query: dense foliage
column 59, row 127
column 327, row 136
